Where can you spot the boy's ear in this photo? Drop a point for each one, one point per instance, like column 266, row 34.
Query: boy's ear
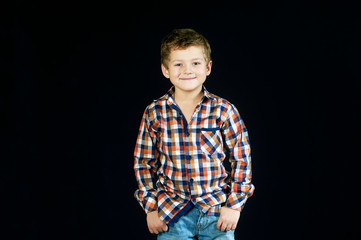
column 165, row 71
column 209, row 67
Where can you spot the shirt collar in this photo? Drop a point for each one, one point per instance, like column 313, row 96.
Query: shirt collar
column 170, row 95
column 208, row 94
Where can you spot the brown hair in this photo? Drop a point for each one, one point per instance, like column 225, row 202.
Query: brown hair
column 182, row 39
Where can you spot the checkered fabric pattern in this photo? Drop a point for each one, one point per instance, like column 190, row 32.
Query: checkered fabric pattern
column 177, row 163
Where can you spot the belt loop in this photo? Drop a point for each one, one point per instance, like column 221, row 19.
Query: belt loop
column 201, row 213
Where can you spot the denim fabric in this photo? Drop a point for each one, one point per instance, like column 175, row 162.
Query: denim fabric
column 196, row 225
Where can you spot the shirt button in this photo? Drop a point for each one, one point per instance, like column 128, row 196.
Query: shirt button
column 188, row 134
column 189, row 157
column 191, row 180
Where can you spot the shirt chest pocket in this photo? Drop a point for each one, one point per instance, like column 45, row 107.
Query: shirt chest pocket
column 210, row 140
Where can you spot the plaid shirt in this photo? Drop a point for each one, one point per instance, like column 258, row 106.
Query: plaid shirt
column 178, row 165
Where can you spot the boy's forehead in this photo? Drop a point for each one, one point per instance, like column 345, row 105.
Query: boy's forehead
column 187, row 53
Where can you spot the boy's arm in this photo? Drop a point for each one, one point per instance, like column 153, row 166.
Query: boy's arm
column 145, row 155
column 237, row 141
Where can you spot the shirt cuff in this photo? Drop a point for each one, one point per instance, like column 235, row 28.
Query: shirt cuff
column 150, row 205
column 236, row 201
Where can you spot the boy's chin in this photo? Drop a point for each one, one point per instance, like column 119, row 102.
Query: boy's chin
column 189, row 88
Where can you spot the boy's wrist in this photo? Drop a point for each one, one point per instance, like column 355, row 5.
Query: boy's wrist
column 152, row 211
column 233, row 207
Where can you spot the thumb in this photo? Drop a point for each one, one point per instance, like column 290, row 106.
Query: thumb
column 165, row 227
column 219, row 224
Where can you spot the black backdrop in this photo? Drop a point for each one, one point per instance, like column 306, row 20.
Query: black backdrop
column 76, row 78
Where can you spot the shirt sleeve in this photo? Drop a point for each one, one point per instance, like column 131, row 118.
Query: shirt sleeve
column 237, row 142
column 145, row 164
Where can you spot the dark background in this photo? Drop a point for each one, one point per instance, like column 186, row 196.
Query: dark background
column 77, row 76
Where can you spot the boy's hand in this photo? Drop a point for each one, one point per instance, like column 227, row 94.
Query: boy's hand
column 155, row 225
column 228, row 219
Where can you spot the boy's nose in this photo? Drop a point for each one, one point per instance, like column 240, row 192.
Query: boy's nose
column 187, row 69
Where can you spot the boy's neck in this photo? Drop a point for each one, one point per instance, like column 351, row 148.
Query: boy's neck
column 188, row 97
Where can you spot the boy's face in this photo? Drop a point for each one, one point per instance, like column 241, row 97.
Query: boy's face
column 187, row 69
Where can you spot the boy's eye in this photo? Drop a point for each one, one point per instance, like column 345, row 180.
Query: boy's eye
column 196, row 63
column 177, row 64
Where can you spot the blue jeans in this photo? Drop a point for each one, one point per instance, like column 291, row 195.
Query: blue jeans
column 196, row 225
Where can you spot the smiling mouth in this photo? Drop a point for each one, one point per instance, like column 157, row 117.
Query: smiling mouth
column 190, row 78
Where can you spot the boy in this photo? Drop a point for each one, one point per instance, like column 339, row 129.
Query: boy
column 183, row 140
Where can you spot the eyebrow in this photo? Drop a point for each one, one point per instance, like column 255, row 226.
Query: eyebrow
column 183, row 60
